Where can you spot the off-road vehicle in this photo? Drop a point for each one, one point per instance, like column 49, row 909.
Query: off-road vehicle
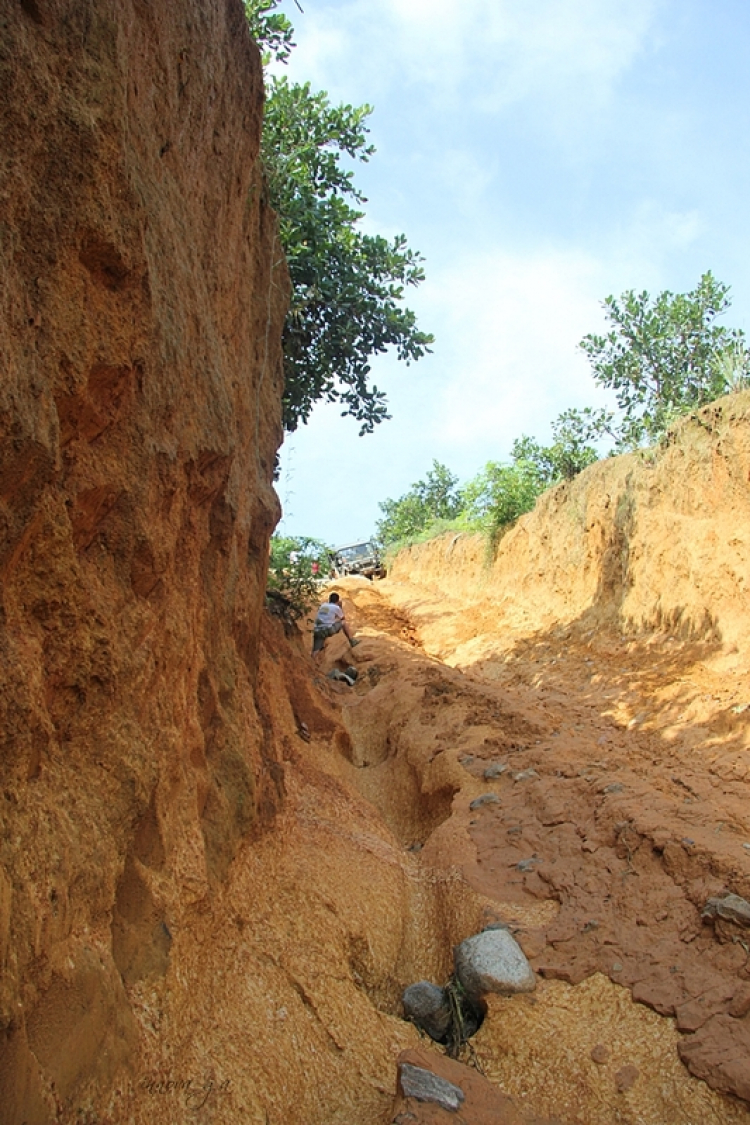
column 357, row 558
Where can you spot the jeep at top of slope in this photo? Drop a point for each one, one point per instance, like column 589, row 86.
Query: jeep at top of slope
column 357, row 558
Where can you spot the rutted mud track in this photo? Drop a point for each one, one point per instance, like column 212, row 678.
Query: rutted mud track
column 619, row 806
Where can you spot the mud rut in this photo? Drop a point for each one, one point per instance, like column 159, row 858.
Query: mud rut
column 618, row 807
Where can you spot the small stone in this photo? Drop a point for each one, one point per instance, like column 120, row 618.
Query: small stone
column 731, row 908
column 426, row 1005
column 493, row 961
column 617, row 967
column 527, row 864
column 337, row 674
column 615, row 787
column 495, row 770
column 626, row 1077
column 525, row 775
column 485, row 799
column 427, row 1087
column 599, row 1054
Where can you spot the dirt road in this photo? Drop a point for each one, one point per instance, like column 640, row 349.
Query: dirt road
column 592, row 790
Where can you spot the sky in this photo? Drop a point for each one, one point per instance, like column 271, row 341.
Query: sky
column 541, row 155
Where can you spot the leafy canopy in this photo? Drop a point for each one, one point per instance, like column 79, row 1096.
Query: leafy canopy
column 434, row 498
column 570, row 452
column 500, row 493
column 347, row 287
column 292, row 584
column 495, row 498
column 271, row 30
column 664, row 356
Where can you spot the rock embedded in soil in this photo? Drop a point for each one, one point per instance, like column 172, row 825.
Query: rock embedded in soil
column 495, row 770
column 485, row 799
column 426, row 1005
column 428, row 1087
column 525, row 775
column 493, row 961
column 731, row 908
column 528, row 864
column 626, row 1078
column 484, row 1102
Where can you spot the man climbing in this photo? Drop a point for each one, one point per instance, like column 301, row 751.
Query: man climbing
column 329, row 620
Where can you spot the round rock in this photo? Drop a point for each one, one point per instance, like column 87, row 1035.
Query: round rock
column 493, row 961
column 426, row 1005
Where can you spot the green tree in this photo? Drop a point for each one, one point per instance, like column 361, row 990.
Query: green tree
column 434, row 498
column 271, row 30
column 347, row 287
column 571, row 450
column 500, row 493
column 660, row 356
column 732, row 366
column 292, row 587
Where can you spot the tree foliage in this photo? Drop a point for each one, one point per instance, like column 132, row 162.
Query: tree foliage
column 500, row 493
column 347, row 287
column 434, row 498
column 662, row 356
column 571, row 450
column 292, row 585
column 495, row 498
column 271, row 30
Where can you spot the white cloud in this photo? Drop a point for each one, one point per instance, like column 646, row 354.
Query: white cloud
column 512, row 322
column 504, row 51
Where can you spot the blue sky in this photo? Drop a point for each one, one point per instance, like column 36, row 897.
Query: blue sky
column 541, row 154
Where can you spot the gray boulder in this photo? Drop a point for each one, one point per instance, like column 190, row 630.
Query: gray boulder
column 493, row 961
column 426, row 1005
column 427, row 1087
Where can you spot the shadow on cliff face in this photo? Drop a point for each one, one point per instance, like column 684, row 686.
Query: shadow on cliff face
column 616, row 578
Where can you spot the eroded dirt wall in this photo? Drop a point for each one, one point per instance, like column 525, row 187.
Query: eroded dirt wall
column 141, row 299
column 651, row 541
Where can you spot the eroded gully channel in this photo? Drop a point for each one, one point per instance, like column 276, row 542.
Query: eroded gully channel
column 531, row 799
